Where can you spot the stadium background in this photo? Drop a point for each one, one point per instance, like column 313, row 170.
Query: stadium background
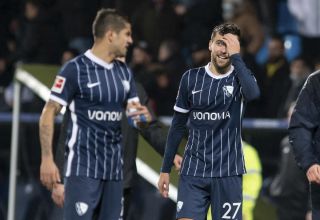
column 183, row 26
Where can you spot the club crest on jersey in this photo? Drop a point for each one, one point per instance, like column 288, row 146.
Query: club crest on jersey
column 81, row 208
column 58, row 84
column 179, row 206
column 228, row 90
column 126, row 85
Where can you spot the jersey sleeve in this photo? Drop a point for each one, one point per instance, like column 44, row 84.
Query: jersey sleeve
column 175, row 135
column 65, row 84
column 182, row 104
column 132, row 95
column 249, row 86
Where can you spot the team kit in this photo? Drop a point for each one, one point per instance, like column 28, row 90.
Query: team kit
column 98, row 89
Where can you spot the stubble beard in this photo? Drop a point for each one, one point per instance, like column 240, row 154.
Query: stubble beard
column 121, row 53
column 221, row 68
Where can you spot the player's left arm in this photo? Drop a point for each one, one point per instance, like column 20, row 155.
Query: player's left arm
column 248, row 82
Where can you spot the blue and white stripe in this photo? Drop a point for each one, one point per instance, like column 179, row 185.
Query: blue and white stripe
column 214, row 146
column 94, row 145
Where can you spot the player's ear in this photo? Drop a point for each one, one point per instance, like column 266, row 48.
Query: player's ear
column 210, row 44
column 109, row 36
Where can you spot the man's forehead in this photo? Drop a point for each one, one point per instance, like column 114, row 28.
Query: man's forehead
column 127, row 25
column 217, row 37
column 126, row 28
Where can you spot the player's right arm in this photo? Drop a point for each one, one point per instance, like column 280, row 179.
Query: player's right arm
column 49, row 173
column 63, row 91
column 175, row 135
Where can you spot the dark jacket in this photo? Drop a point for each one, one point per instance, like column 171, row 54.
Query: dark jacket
column 154, row 134
column 291, row 199
column 304, row 128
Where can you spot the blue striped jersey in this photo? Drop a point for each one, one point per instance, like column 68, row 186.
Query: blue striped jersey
column 95, row 92
column 215, row 108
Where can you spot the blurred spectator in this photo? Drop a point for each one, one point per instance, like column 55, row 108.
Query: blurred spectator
column 299, row 71
column 29, row 102
column 76, row 19
column 243, row 14
column 308, row 20
column 316, row 63
column 155, row 21
column 141, row 64
column 126, row 7
column 40, row 39
column 200, row 55
column 266, row 13
column 7, row 14
column 6, row 76
column 69, row 54
column 252, row 180
column 141, row 55
column 289, row 188
column 162, row 92
column 274, row 79
column 170, row 57
column 253, row 108
column 198, row 18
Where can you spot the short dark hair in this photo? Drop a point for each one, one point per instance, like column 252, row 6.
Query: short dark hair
column 108, row 19
column 227, row 28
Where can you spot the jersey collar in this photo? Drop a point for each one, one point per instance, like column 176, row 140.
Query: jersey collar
column 210, row 73
column 97, row 60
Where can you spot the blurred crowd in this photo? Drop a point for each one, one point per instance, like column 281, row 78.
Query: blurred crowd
column 279, row 40
column 280, row 44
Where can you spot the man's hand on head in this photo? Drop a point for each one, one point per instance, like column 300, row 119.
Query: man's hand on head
column 233, row 44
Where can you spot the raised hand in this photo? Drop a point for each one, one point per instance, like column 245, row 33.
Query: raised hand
column 232, row 42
